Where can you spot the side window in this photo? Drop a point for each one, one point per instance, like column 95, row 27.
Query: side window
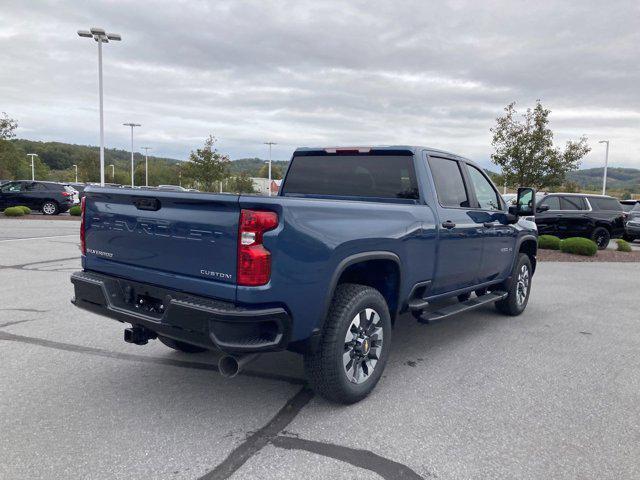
column 485, row 193
column 11, row 187
column 553, row 202
column 449, row 183
column 572, row 203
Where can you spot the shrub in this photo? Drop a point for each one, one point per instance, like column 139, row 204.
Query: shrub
column 623, row 245
column 548, row 242
column 13, row 212
column 76, row 211
column 26, row 210
column 579, row 246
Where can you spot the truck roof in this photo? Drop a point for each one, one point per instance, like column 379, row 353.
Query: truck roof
column 412, row 149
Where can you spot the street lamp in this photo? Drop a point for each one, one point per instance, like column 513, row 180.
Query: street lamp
column 33, row 171
column 132, row 125
column 606, row 164
column 270, row 144
column 146, row 164
column 76, row 167
column 100, row 36
column 113, row 173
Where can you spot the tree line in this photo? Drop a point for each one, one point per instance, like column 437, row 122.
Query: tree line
column 523, row 144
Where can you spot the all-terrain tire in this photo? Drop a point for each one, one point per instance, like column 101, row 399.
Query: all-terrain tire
column 518, row 288
column 181, row 346
column 325, row 367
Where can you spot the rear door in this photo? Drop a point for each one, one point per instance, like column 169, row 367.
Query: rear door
column 460, row 236
column 574, row 221
column 184, row 241
column 10, row 196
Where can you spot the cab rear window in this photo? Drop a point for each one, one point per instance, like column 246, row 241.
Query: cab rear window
column 369, row 176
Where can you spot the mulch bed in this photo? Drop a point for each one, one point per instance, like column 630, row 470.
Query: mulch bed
column 601, row 256
column 42, row 217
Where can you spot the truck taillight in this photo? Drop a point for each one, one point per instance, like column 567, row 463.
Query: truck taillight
column 254, row 261
column 83, row 243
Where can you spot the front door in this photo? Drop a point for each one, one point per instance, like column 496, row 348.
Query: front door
column 460, row 236
column 574, row 221
column 499, row 236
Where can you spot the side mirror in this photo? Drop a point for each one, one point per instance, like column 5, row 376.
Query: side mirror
column 542, row 208
column 525, row 202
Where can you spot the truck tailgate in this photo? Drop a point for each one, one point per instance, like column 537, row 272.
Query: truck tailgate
column 182, row 241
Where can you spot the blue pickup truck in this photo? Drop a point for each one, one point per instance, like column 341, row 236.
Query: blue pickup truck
column 355, row 238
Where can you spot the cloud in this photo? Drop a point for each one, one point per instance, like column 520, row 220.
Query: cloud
column 323, row 73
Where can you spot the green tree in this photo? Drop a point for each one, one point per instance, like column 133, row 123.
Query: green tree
column 7, row 127
column 276, row 172
column 525, row 152
column 206, row 167
column 13, row 164
column 241, row 183
column 571, row 187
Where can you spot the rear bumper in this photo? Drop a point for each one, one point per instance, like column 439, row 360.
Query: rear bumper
column 188, row 318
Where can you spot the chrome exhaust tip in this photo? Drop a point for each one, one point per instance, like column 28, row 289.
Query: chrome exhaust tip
column 230, row 365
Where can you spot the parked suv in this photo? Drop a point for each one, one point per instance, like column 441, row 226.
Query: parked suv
column 598, row 217
column 48, row 197
column 632, row 227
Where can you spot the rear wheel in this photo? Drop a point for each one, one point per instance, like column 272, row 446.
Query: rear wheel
column 50, row 208
column 601, row 236
column 518, row 289
column 354, row 347
column 181, row 346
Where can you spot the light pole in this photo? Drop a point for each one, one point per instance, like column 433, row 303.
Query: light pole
column 33, row 170
column 132, row 125
column 113, row 173
column 76, row 167
column 270, row 144
column 146, row 165
column 100, row 36
column 606, row 164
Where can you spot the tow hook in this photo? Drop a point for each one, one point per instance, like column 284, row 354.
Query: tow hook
column 139, row 335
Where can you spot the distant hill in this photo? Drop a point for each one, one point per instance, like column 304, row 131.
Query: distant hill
column 253, row 165
column 617, row 178
column 61, row 156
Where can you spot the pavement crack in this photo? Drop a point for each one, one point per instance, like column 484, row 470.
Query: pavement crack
column 387, row 469
column 24, row 266
column 98, row 352
column 16, row 322
column 255, row 442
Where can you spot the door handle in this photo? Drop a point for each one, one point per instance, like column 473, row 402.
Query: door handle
column 489, row 224
column 448, row 224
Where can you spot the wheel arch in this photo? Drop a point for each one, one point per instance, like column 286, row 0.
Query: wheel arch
column 357, row 268
column 529, row 246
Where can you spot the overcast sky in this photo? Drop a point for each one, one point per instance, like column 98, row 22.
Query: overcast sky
column 323, row 73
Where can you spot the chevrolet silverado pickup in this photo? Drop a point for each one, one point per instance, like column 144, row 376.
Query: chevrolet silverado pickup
column 355, row 238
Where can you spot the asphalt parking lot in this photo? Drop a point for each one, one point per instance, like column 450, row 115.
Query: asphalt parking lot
column 554, row 393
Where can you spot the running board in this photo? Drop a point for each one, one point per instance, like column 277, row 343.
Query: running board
column 430, row 317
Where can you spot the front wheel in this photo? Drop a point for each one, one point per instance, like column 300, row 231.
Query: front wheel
column 518, row 289
column 354, row 347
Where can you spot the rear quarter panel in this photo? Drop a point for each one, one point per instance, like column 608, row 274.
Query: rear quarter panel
column 316, row 235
